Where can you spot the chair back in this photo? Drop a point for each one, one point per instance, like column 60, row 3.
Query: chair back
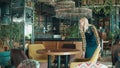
column 32, row 48
column 96, row 55
column 87, row 65
column 5, row 58
column 17, row 55
column 69, row 46
column 78, row 63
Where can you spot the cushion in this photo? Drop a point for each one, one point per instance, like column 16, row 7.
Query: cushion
column 90, row 65
column 29, row 63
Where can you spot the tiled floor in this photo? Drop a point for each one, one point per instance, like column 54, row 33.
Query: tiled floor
column 107, row 59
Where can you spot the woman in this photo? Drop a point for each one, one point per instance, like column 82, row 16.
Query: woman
column 90, row 37
column 116, row 52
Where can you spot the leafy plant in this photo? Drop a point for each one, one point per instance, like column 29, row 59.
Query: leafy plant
column 117, row 32
column 12, row 32
column 104, row 9
column 73, row 31
column 110, row 35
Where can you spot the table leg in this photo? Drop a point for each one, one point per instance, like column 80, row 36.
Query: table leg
column 58, row 62
column 49, row 61
column 66, row 61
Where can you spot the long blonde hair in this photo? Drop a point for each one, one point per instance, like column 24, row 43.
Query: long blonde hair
column 85, row 23
column 85, row 27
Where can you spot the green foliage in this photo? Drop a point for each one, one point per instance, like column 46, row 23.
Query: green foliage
column 73, row 31
column 110, row 35
column 13, row 31
column 117, row 32
column 105, row 8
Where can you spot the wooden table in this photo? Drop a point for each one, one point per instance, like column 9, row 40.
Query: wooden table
column 58, row 53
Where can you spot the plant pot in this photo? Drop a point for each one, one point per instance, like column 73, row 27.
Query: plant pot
column 4, row 58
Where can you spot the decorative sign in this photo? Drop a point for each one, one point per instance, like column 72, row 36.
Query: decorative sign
column 29, row 3
column 28, row 16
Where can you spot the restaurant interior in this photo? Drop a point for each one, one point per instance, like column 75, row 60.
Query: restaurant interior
column 48, row 34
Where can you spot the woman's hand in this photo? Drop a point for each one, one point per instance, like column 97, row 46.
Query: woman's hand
column 83, row 54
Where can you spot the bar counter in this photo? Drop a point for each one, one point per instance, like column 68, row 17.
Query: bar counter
column 57, row 39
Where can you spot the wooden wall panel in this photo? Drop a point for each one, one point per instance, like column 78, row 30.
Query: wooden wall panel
column 79, row 47
column 38, row 42
column 60, row 43
column 50, row 44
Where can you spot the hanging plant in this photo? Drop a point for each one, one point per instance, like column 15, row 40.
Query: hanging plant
column 104, row 9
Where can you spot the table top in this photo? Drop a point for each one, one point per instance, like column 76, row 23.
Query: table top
column 58, row 51
column 105, row 41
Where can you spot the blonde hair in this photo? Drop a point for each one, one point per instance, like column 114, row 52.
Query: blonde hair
column 85, row 22
column 85, row 27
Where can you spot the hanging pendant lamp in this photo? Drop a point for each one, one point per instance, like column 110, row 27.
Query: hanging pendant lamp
column 51, row 2
column 65, row 4
column 74, row 13
column 67, row 9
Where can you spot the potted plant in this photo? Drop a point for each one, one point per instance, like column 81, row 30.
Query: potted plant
column 11, row 33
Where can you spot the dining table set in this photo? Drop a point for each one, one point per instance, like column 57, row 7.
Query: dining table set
column 58, row 53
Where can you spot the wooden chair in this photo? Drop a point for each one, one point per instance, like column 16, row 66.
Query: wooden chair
column 107, row 47
column 93, row 59
column 32, row 48
column 71, row 57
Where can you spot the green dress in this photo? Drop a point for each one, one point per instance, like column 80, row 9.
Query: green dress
column 91, row 43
